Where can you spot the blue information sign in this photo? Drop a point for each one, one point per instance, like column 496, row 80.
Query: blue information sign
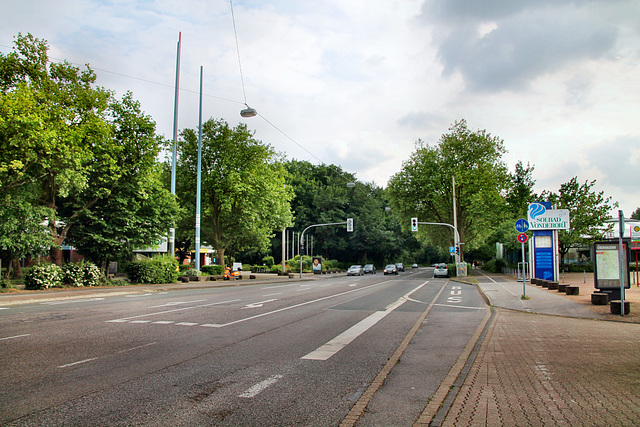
column 522, row 225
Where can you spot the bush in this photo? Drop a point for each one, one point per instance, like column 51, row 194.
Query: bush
column 495, row 265
column 46, row 275
column 192, row 272
column 578, row 268
column 212, row 270
column 268, row 261
column 159, row 269
column 81, row 274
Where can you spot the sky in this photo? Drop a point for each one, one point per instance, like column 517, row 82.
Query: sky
column 356, row 83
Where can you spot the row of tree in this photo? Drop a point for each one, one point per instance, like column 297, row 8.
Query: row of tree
column 79, row 166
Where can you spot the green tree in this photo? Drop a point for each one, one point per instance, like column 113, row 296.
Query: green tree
column 243, row 193
column 519, row 192
column 137, row 210
column 322, row 196
column 588, row 212
column 22, row 231
column 636, row 214
column 424, row 187
column 53, row 131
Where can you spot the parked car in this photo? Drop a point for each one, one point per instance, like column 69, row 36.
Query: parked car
column 355, row 270
column 400, row 266
column 369, row 269
column 391, row 269
column 414, row 265
column 441, row 270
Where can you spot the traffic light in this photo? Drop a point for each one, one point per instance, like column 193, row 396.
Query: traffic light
column 457, row 249
column 349, row 225
column 414, row 224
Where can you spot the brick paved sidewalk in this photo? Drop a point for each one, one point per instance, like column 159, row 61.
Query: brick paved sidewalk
column 539, row 370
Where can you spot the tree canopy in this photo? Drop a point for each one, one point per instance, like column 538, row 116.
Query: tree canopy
column 424, row 186
column 244, row 198
column 66, row 146
column 588, row 210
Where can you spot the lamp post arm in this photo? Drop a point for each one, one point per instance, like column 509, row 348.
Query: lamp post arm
column 302, row 237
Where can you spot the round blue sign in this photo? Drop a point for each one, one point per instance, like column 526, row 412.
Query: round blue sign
column 522, row 225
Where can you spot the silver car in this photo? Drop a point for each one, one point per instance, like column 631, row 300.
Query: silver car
column 441, row 270
column 355, row 270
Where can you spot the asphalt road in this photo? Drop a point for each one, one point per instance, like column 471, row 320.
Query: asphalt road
column 294, row 353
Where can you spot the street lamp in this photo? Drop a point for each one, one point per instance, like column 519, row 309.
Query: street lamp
column 248, row 112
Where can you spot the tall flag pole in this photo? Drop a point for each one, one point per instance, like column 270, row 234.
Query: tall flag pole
column 172, row 231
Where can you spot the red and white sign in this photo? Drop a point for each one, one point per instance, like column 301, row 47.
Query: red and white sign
column 522, row 238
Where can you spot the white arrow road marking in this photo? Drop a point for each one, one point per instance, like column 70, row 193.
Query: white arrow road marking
column 269, row 313
column 327, row 350
column 169, row 304
column 258, row 304
column 260, row 387
column 128, row 319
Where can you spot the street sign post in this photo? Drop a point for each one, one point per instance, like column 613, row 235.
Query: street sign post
column 522, row 238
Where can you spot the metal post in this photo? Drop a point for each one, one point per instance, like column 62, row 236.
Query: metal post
column 284, row 250
column 172, row 230
column 524, row 274
column 621, row 260
column 455, row 227
column 199, row 184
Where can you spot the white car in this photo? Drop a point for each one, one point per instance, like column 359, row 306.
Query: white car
column 441, row 270
column 355, row 270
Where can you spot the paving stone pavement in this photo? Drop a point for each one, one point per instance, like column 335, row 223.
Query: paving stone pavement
column 540, row 370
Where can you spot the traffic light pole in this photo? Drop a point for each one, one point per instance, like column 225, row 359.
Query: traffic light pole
column 301, row 241
column 456, row 238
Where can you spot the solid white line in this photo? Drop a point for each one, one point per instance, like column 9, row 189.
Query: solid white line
column 126, row 319
column 77, row 363
column 272, row 295
column 260, row 387
column 15, row 336
column 294, row 306
column 70, row 301
column 136, row 348
column 461, row 306
column 327, row 350
column 186, row 324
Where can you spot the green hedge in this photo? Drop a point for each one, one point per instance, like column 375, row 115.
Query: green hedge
column 159, row 269
column 212, row 270
column 578, row 268
column 495, row 265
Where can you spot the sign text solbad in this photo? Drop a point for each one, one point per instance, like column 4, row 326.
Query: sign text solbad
column 541, row 218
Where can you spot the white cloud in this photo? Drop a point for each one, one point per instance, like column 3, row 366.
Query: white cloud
column 357, row 83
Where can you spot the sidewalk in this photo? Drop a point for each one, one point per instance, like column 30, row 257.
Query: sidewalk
column 550, row 360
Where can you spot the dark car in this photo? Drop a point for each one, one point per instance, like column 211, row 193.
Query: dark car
column 391, row 269
column 369, row 269
column 441, row 270
column 400, row 266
